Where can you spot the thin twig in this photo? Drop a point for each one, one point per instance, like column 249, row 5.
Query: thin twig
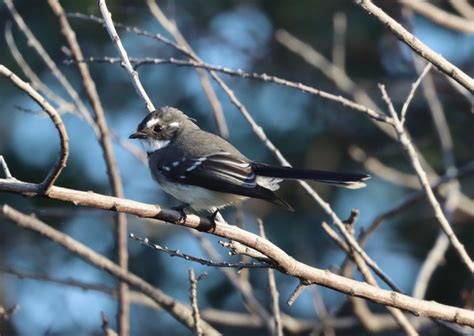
column 278, row 328
column 362, row 266
column 106, row 329
column 133, row 29
column 463, row 7
column 417, row 46
column 236, row 248
column 172, row 28
column 194, row 305
column 441, row 17
column 177, row 253
column 410, row 96
column 113, row 174
column 6, row 170
column 37, row 46
column 297, row 292
column 241, row 284
column 410, row 151
column 343, row 83
column 179, row 311
column 109, row 26
column 436, row 254
column 339, row 42
column 63, row 105
column 58, row 123
column 256, row 76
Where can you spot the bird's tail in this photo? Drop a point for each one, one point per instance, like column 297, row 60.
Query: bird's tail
column 347, row 180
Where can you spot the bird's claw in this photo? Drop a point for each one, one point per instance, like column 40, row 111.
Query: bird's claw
column 182, row 214
column 212, row 219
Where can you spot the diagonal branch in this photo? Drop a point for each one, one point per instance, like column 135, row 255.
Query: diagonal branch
column 440, row 16
column 105, row 142
column 205, row 83
column 286, row 264
column 418, row 46
column 415, row 162
column 109, row 26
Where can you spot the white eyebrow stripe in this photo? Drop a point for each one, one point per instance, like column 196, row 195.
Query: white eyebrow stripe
column 152, row 122
column 174, row 124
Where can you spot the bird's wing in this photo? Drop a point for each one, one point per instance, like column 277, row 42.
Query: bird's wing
column 221, row 172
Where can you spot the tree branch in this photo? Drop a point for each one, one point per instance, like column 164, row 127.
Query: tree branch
column 106, row 144
column 285, row 263
column 417, row 46
column 58, row 123
column 109, row 26
column 179, row 311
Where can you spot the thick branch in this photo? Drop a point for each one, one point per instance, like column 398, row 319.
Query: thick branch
column 286, row 263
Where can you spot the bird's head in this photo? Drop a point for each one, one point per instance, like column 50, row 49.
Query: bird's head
column 160, row 127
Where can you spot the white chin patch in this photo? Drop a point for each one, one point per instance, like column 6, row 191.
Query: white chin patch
column 153, row 145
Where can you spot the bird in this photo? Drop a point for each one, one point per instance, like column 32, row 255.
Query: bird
column 206, row 172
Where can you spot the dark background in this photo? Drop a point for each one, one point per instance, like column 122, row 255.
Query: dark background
column 311, row 132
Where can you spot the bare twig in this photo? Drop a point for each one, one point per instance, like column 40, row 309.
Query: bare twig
column 410, row 151
column 339, row 43
column 322, row 313
column 5, row 169
column 106, row 329
column 411, row 199
column 194, row 305
column 177, row 253
column 362, row 266
column 440, row 16
column 36, row 45
column 414, row 87
column 58, row 123
column 172, row 28
column 179, row 311
column 109, row 25
column 241, row 284
column 261, row 77
column 237, row 248
column 297, row 292
column 417, row 46
column 343, row 83
column 278, row 327
column 109, row 157
column 436, row 254
column 63, row 106
column 463, row 7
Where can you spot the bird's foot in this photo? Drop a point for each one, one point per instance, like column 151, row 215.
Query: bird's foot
column 212, row 219
column 182, row 214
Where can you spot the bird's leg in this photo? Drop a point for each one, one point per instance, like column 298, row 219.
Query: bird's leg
column 212, row 218
column 182, row 214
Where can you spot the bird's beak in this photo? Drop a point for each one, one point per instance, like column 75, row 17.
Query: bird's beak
column 137, row 135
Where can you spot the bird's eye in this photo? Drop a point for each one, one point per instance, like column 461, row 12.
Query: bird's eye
column 157, row 128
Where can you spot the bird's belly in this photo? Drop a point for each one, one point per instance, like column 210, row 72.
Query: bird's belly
column 200, row 198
